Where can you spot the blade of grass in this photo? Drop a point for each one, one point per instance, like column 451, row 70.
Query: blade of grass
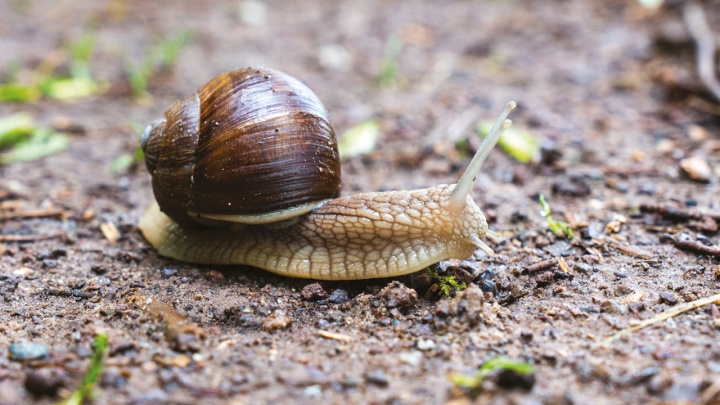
column 556, row 227
column 388, row 76
column 170, row 48
column 42, row 142
column 15, row 128
column 92, row 375
column 80, row 53
column 164, row 53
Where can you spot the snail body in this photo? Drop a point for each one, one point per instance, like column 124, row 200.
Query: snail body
column 367, row 235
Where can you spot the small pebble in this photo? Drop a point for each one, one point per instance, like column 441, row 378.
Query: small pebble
column 314, row 391
column 697, row 168
column 510, row 379
column 168, row 272
column 582, row 267
column 45, row 381
column 425, row 344
column 623, row 290
column 28, row 351
column 377, row 378
column 312, row 292
column 397, row 295
column 338, row 296
column 612, row 307
column 278, row 320
column 668, row 298
column 647, row 189
column 488, row 286
column 412, row 358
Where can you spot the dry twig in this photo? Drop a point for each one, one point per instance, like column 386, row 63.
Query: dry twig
column 678, row 213
column 631, row 251
column 670, row 313
column 545, row 264
column 697, row 24
column 27, row 238
column 683, row 241
column 335, row 336
column 53, row 212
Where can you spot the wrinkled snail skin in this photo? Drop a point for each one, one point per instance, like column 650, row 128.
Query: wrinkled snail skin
column 368, row 235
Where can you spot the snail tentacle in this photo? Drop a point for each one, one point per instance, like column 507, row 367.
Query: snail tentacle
column 464, row 185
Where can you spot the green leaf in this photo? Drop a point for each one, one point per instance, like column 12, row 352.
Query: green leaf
column 93, row 373
column 556, row 227
column 80, row 54
column 519, row 144
column 463, row 380
column 15, row 128
column 121, row 163
column 16, row 92
column 496, row 363
column 358, row 140
column 69, row 88
column 506, row 363
column 41, row 143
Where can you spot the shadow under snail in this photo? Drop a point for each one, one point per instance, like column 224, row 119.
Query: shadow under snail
column 246, row 171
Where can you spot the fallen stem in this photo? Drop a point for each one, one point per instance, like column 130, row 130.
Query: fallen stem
column 33, row 214
column 697, row 24
column 27, row 238
column 670, row 313
column 682, row 241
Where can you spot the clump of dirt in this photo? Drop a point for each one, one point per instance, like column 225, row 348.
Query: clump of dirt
column 460, row 313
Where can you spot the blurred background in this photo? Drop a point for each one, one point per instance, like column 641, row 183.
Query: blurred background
column 421, row 75
column 614, row 111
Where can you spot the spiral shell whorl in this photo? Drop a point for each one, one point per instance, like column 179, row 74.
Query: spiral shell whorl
column 251, row 141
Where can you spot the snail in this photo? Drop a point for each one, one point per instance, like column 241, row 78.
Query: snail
column 246, row 171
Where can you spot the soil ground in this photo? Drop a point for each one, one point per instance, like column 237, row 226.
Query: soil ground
column 611, row 89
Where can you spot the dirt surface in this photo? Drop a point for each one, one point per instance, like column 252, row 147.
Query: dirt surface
column 609, row 87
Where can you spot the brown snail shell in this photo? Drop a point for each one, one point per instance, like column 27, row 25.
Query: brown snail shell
column 251, row 146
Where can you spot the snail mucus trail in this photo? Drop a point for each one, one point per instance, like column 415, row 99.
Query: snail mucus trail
column 367, row 235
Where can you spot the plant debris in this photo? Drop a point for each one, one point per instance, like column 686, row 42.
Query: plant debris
column 93, row 373
column 21, row 140
column 447, row 284
column 519, row 144
column 358, row 140
column 182, row 334
column 670, row 313
column 684, row 242
column 494, row 364
column 556, row 227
